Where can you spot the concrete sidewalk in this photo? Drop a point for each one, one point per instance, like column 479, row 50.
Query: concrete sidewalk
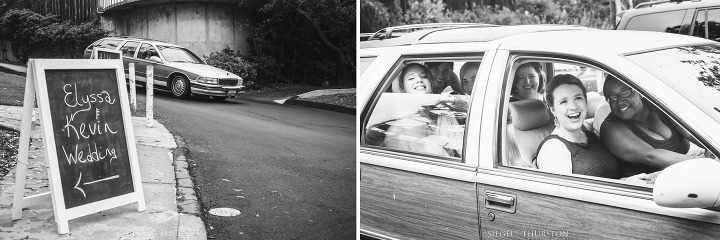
column 172, row 208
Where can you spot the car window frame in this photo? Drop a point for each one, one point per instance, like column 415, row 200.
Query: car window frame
column 386, row 83
column 652, row 99
column 603, row 192
column 119, row 43
column 137, row 48
column 501, row 130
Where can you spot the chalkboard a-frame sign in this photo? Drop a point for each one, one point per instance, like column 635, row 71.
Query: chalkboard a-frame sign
column 89, row 140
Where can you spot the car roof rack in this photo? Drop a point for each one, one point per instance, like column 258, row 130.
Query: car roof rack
column 653, row 3
column 397, row 31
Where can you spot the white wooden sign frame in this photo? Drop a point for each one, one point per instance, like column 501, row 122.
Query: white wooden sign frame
column 36, row 87
column 98, row 49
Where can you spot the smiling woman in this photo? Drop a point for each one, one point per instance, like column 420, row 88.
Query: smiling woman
column 410, row 118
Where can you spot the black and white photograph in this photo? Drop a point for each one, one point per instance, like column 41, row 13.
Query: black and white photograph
column 156, row 119
column 539, row 119
column 359, row 119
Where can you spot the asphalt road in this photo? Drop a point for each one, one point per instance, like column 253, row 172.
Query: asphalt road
column 289, row 170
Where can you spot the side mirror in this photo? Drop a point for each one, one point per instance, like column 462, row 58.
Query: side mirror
column 689, row 184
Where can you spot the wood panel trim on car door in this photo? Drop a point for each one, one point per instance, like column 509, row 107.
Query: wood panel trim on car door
column 546, row 215
column 403, row 204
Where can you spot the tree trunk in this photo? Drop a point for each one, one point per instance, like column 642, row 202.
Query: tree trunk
column 326, row 41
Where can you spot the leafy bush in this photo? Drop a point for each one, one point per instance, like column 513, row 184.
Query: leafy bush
column 425, row 11
column 373, row 16
column 20, row 27
column 266, row 68
column 233, row 62
column 587, row 13
column 31, row 34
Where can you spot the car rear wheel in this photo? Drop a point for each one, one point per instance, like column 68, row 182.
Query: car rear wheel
column 180, row 86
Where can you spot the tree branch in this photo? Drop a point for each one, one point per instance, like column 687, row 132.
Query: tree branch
column 324, row 38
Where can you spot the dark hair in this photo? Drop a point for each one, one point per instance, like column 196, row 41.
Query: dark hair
column 465, row 67
column 425, row 69
column 538, row 69
column 608, row 80
column 435, row 64
column 562, row 79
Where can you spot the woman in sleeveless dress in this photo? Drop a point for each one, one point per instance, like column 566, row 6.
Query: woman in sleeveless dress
column 569, row 149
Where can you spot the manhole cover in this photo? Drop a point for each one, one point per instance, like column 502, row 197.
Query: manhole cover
column 224, row 212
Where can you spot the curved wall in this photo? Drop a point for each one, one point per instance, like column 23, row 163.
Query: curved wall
column 201, row 27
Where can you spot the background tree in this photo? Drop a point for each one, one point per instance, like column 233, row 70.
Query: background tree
column 312, row 42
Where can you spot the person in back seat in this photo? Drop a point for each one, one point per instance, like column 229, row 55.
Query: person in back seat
column 569, row 149
column 468, row 73
column 444, row 77
column 528, row 82
column 416, row 78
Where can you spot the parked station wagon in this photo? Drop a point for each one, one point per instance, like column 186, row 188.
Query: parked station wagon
column 698, row 18
column 175, row 68
column 457, row 166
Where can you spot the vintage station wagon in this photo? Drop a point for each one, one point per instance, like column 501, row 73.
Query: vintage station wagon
column 455, row 166
column 175, row 68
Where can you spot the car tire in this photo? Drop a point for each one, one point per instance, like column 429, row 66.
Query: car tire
column 180, row 86
column 218, row 98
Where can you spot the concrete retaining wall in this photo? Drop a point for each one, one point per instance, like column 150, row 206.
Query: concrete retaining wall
column 201, row 27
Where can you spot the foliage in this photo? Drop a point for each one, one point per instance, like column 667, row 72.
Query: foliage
column 19, row 27
column 425, row 11
column 588, row 13
column 30, row 33
column 233, row 62
column 312, row 42
column 373, row 16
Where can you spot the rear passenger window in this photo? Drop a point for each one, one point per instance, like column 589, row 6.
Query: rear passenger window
column 699, row 25
column 713, row 24
column 110, row 43
column 657, row 22
column 418, row 112
column 129, row 49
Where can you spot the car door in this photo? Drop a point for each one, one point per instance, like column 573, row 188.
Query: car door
column 526, row 202
column 143, row 60
column 417, row 175
column 128, row 50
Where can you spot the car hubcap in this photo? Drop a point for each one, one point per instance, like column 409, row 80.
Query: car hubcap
column 178, row 86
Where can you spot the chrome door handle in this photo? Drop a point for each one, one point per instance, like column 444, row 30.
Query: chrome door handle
column 500, row 201
column 493, row 197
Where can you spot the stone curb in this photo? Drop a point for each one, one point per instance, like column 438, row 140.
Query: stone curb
column 188, row 202
column 8, row 127
column 295, row 100
column 8, row 70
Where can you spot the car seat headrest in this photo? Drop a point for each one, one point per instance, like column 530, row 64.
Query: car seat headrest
column 593, row 102
column 529, row 114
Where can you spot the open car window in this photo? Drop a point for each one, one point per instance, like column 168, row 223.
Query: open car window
column 431, row 123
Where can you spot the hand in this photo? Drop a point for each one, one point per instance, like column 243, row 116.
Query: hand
column 709, row 154
column 643, row 178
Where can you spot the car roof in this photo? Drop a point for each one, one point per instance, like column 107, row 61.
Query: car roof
column 669, row 6
column 464, row 34
column 595, row 41
column 151, row 41
column 553, row 38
